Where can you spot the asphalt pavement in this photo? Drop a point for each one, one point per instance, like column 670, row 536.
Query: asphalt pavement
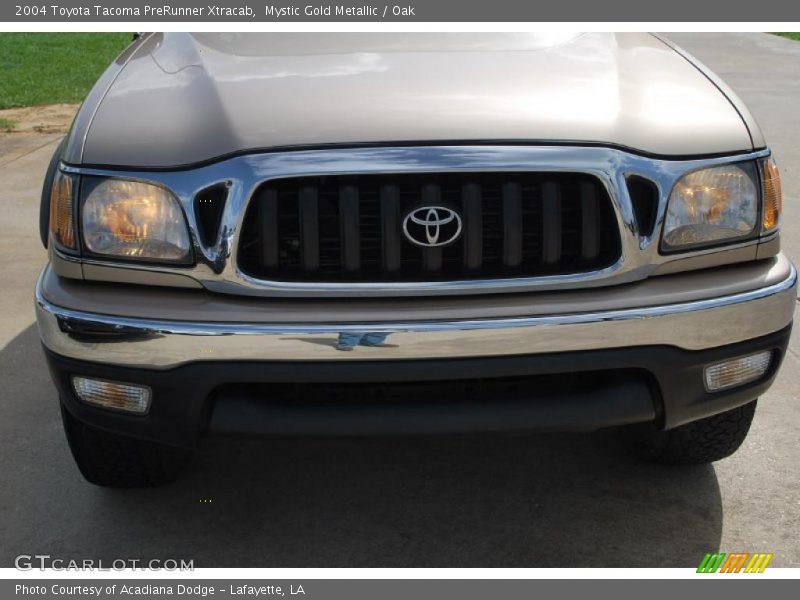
column 487, row 501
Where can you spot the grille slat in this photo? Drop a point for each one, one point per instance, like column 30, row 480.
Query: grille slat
column 551, row 222
column 473, row 226
column 350, row 228
column 589, row 242
column 309, row 227
column 268, row 223
column 512, row 224
column 349, row 220
column 390, row 227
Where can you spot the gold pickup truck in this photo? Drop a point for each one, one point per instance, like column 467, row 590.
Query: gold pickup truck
column 362, row 234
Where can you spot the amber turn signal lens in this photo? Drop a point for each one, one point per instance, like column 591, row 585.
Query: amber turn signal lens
column 737, row 371
column 771, row 192
column 129, row 397
column 62, row 227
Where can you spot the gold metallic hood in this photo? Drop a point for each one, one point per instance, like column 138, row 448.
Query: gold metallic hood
column 179, row 99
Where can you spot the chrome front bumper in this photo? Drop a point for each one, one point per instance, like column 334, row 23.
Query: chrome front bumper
column 159, row 343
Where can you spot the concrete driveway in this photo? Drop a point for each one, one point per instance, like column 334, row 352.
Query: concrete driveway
column 549, row 500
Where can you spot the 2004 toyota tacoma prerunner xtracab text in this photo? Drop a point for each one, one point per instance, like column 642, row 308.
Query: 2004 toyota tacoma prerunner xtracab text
column 383, row 234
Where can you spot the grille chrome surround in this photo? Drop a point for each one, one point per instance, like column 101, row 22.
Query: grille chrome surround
column 517, row 224
column 217, row 269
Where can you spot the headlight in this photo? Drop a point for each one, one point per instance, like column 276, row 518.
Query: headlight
column 136, row 220
column 717, row 204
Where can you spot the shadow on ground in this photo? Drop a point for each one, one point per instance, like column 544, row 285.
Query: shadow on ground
column 480, row 501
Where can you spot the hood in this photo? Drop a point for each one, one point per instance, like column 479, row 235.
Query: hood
column 182, row 99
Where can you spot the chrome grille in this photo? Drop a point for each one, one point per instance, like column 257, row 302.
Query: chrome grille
column 350, row 228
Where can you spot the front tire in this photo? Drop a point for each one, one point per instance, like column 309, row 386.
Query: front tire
column 117, row 461
column 700, row 442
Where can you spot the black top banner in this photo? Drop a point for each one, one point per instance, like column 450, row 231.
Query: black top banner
column 410, row 11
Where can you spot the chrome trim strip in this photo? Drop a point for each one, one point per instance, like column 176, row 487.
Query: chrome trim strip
column 216, row 268
column 163, row 344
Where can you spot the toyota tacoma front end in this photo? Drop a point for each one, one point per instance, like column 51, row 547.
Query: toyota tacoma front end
column 390, row 234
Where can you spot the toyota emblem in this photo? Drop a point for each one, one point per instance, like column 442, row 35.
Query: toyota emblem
column 432, row 226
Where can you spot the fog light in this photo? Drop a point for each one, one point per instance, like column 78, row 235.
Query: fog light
column 111, row 394
column 737, row 371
